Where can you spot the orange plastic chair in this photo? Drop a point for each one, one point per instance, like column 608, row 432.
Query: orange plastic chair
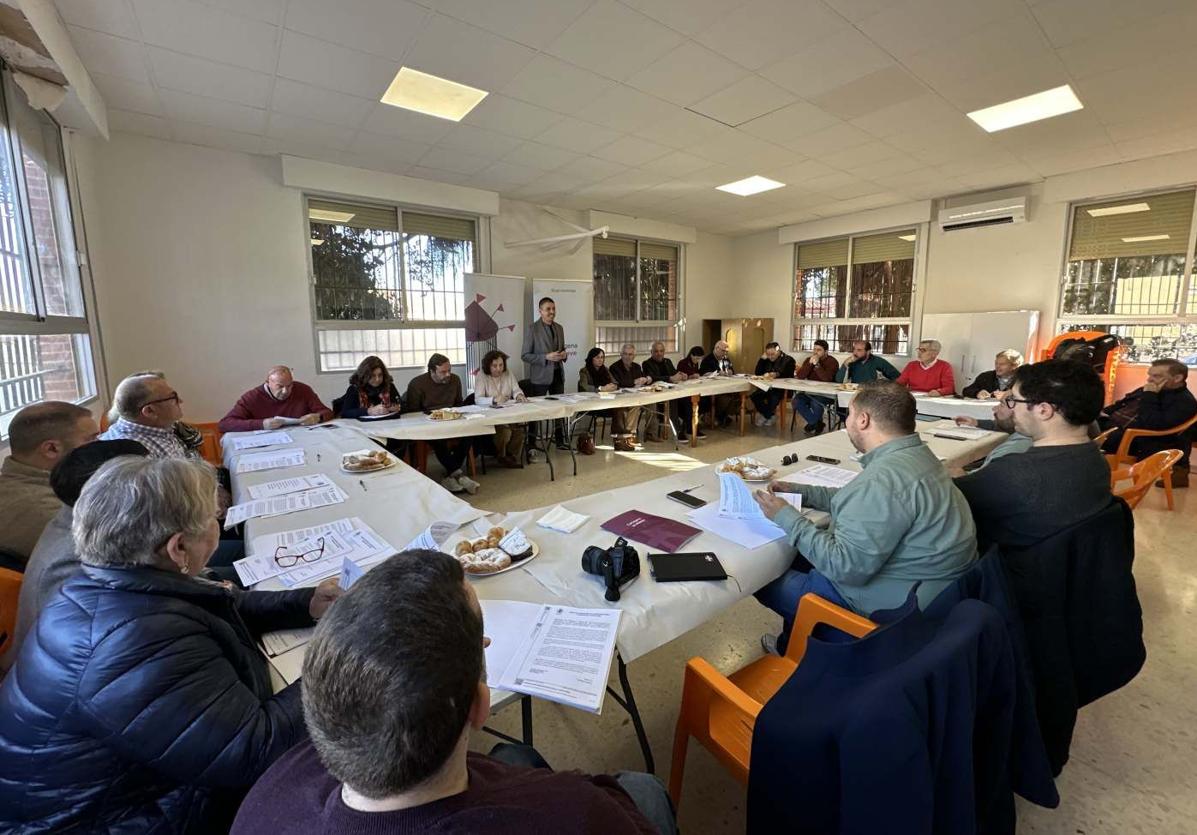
column 1122, row 458
column 1101, row 438
column 720, row 711
column 1144, row 474
column 10, row 593
column 210, row 448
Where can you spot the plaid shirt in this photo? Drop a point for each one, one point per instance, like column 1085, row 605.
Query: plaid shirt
column 162, row 443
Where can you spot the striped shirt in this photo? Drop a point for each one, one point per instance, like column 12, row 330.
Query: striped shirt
column 161, row 443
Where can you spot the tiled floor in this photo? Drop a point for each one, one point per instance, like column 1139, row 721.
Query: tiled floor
column 1132, row 759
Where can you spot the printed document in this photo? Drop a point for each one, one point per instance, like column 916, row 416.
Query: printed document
column 260, row 439
column 348, row 537
column 283, row 486
column 275, row 459
column 823, row 475
column 432, row 537
column 279, row 505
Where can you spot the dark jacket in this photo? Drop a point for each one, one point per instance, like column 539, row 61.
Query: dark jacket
column 824, row 372
column 140, row 703
column 348, row 405
column 662, row 371
column 712, row 363
column 782, row 367
column 625, row 376
column 1153, row 410
column 902, row 732
column 862, row 371
column 1080, row 612
column 986, row 381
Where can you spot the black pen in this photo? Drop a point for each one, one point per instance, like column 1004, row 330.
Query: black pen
column 317, row 456
column 947, row 437
column 363, row 484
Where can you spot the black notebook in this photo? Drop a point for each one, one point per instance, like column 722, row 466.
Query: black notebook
column 668, row 568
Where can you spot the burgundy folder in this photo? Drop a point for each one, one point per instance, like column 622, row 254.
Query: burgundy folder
column 653, row 531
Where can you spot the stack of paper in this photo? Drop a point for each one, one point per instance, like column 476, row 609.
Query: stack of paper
column 275, row 459
column 283, row 486
column 344, row 538
column 823, row 475
column 560, row 519
column 960, row 433
column 738, row 518
column 287, row 503
column 260, row 439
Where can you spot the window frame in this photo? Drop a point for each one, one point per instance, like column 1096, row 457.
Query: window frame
column 679, row 325
column 914, row 321
column 481, row 257
column 1181, row 316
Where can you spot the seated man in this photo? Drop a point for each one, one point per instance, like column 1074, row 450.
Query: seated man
column 39, row 437
column 394, row 681
column 1003, row 421
column 991, row 384
column 820, row 367
column 148, row 409
column 54, row 558
column 660, row 368
column 719, row 362
column 863, row 366
column 1163, row 401
column 1062, row 479
column 899, row 522
column 929, row 373
column 773, row 363
column 279, row 397
column 440, row 388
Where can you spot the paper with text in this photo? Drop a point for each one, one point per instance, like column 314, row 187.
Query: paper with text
column 365, row 548
column 275, row 459
column 824, row 475
column 432, row 537
column 309, row 550
column 351, row 572
column 280, row 641
column 735, row 499
column 283, row 486
column 280, row 505
column 261, row 439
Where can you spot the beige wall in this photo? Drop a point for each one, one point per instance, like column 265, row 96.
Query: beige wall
column 200, row 269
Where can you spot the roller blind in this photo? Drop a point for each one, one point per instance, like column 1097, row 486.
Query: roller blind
column 659, row 252
column 823, row 254
column 890, row 246
column 614, row 246
column 1154, row 225
column 353, row 214
column 438, row 226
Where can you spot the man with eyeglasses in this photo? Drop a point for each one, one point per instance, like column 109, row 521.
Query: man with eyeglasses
column 1020, row 500
column 148, row 409
column 929, row 373
column 280, row 401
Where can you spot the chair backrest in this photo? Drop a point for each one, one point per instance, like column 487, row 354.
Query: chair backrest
column 10, row 593
column 1144, row 474
column 526, row 387
column 1100, row 438
column 336, row 406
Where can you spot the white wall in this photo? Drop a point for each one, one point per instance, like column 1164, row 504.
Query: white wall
column 200, row 267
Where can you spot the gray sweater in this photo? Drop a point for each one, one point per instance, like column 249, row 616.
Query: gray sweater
column 53, row 561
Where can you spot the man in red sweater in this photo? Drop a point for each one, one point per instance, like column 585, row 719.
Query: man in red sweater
column 929, row 373
column 278, row 402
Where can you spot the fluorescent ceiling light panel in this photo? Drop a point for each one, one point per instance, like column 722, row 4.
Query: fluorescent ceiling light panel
column 1049, row 103
column 432, row 95
column 1124, row 209
column 329, row 216
column 907, row 237
column 750, row 185
column 1141, row 238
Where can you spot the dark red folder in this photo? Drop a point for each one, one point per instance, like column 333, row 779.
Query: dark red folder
column 654, row 531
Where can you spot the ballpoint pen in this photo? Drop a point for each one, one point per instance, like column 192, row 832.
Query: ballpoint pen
column 363, row 484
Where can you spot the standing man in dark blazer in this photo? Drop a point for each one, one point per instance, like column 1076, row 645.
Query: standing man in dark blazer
column 544, row 352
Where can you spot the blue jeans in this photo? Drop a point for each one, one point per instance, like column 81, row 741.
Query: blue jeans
column 782, row 596
column 646, row 790
column 811, row 408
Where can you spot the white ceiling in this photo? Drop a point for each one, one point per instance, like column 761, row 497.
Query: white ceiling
column 643, row 106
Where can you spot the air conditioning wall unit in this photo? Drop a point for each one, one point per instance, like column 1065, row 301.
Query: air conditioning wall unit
column 991, row 213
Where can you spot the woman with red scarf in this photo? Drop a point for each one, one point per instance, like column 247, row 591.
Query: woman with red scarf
column 371, row 391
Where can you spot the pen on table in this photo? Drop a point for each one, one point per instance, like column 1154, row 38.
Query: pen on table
column 317, row 456
column 947, row 437
column 688, row 489
column 363, row 484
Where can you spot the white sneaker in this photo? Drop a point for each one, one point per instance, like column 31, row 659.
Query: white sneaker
column 771, row 421
column 451, row 484
column 758, row 420
column 469, row 484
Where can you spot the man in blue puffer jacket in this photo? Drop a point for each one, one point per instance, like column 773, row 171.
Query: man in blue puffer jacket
column 139, row 701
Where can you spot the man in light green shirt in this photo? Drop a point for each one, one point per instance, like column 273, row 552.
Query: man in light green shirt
column 901, row 521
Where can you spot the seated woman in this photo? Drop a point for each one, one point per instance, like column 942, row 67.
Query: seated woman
column 139, row 701
column 990, row 384
column 371, row 391
column 496, row 382
column 595, row 376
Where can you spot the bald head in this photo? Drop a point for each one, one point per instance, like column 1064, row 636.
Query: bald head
column 279, row 382
column 42, row 434
column 721, row 349
column 148, row 399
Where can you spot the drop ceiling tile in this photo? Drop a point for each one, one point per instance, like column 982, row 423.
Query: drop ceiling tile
column 1007, row 175
column 1127, row 45
column 511, row 117
column 765, row 31
column 1075, row 131
column 467, row 54
column 125, row 121
column 747, row 99
column 687, row 16
column 215, row 113
column 676, row 164
column 687, row 75
column 860, row 204
column 1032, row 74
column 127, row 94
column 857, row 10
column 296, row 99
column 299, row 128
column 782, row 126
column 559, row 86
column 111, row 17
column 1165, row 142
column 109, row 54
column 176, row 71
column 902, row 164
column 625, row 109
column 870, row 93
column 268, row 11
column 823, row 66
column 577, row 136
column 373, row 163
column 830, row 139
column 479, row 141
column 1050, row 164
column 544, row 157
column 632, row 150
column 613, row 40
column 736, row 148
column 678, row 128
column 213, row 137
column 416, row 127
column 300, row 147
column 390, row 148
column 196, row 29
column 798, row 175
column 919, row 178
column 447, row 159
column 381, row 27
column 533, row 23
column 906, row 29
column 849, row 159
column 441, row 175
column 334, row 67
column 509, row 172
column 1136, row 94
column 925, row 112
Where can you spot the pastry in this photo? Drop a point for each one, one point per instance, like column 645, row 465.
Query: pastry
column 486, row 561
column 444, row 414
column 496, row 533
column 464, row 547
column 516, row 545
column 481, row 544
column 364, row 460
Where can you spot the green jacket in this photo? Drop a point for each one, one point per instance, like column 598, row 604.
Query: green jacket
column 900, row 521
column 862, row 371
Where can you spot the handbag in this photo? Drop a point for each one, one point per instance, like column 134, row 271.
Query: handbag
column 586, row 444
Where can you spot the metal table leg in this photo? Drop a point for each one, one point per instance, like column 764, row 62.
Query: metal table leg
column 525, row 720
column 628, row 702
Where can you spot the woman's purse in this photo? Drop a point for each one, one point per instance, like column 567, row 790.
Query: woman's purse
column 586, row 444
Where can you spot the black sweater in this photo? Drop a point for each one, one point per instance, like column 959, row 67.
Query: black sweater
column 986, row 381
column 1155, row 410
column 783, row 366
column 1019, row 500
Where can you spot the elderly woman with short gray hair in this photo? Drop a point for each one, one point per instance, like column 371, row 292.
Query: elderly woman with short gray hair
column 139, row 700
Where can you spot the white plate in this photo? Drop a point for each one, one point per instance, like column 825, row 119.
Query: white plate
column 391, row 461
column 451, row 544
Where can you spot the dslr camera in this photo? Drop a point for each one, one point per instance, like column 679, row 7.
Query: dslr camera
column 617, row 565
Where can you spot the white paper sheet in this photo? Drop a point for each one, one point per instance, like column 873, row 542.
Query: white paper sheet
column 288, row 421
column 280, row 505
column 351, row 572
column 262, row 564
column 560, row 519
column 747, row 533
column 365, row 548
column 824, row 475
column 735, row 499
column 282, row 640
column 261, row 439
column 960, row 433
column 432, row 537
column 283, row 486
column 276, row 459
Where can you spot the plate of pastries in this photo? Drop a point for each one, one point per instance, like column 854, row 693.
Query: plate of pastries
column 500, row 550
column 747, row 468
column 445, row 414
column 366, row 461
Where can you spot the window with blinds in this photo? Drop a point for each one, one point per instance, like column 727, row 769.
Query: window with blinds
column 387, row 282
column 637, row 293
column 1129, row 271
column 859, row 287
